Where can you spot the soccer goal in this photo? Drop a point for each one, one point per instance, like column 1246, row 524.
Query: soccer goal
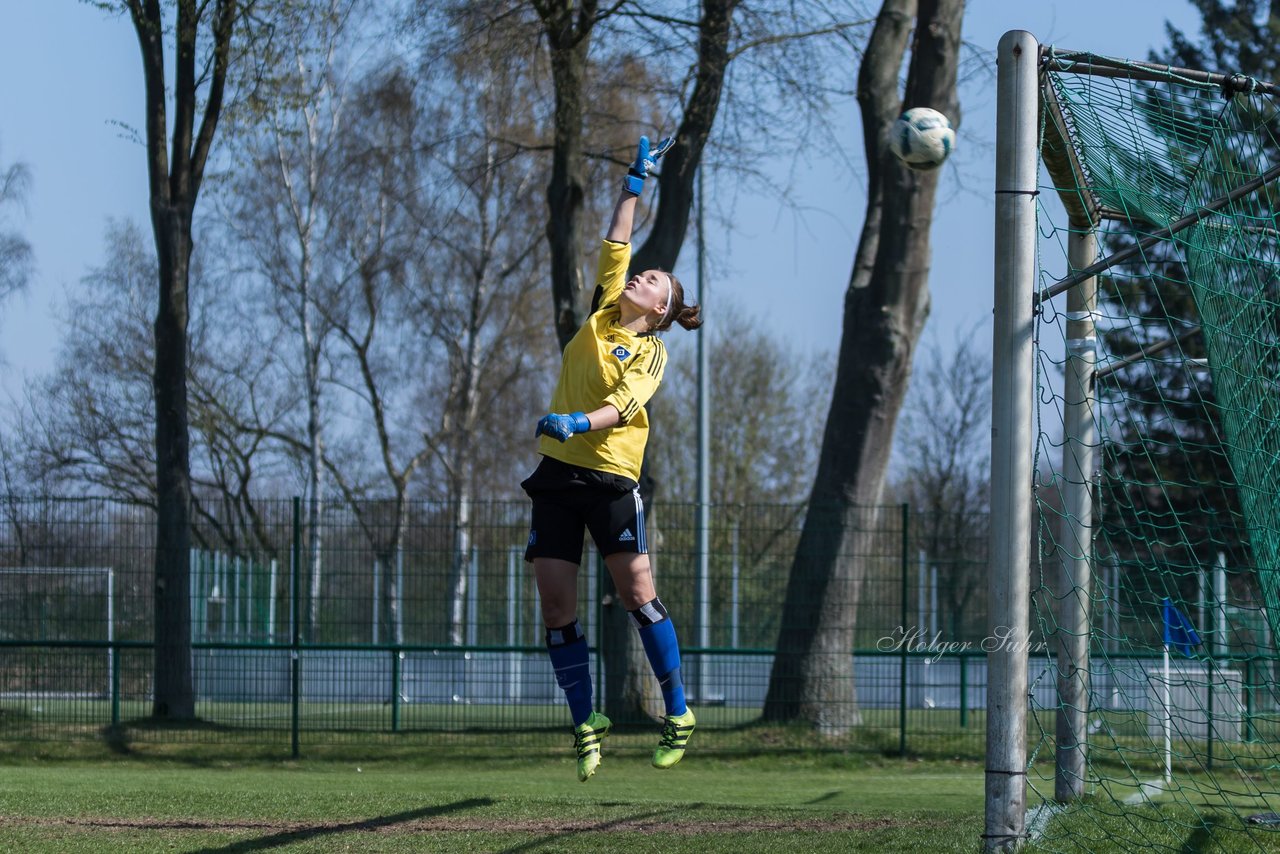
column 1135, row 457
column 44, row 605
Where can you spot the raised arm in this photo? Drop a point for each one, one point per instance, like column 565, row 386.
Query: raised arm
column 624, row 211
column 624, row 214
column 563, row 425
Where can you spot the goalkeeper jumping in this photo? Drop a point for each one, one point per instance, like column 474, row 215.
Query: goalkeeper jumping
column 592, row 445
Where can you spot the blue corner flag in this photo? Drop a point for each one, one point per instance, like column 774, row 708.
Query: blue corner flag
column 1178, row 631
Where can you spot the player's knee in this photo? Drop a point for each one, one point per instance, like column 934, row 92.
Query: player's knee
column 632, row 578
column 556, row 614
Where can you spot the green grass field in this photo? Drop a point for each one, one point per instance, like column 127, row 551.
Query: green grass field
column 199, row 803
column 78, row 786
column 187, row 797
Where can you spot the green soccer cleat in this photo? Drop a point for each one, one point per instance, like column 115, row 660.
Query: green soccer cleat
column 587, row 738
column 676, row 730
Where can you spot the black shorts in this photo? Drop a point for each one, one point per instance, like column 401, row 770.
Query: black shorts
column 569, row 499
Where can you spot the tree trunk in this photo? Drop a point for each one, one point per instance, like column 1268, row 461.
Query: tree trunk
column 568, row 42
column 680, row 165
column 315, row 562
column 395, row 567
column 388, row 597
column 315, row 456
column 461, row 562
column 885, row 308
column 395, row 595
column 173, row 186
column 174, row 694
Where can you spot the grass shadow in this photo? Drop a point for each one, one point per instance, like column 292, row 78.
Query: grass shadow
column 278, row 840
column 1203, row 838
column 601, row 827
column 116, row 738
column 136, row 739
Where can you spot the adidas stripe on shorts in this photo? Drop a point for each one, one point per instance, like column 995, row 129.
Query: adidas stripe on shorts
column 569, row 500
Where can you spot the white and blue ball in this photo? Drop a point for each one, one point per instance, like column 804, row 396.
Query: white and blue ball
column 922, row 138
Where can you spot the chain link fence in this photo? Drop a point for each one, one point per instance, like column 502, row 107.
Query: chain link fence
column 385, row 623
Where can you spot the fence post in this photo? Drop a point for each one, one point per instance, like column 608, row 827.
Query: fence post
column 115, row 684
column 964, row 690
column 295, row 613
column 902, row 668
column 396, row 655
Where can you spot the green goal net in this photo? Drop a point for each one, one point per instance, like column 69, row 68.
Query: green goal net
column 1154, row 719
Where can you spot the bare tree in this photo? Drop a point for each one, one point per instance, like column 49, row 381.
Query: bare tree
column 11, row 515
column 764, row 439
column 90, row 424
column 375, row 233
column 15, row 251
column 943, row 450
column 568, row 27
column 201, row 57
column 280, row 211
column 680, row 166
column 239, row 395
column 885, row 309
column 474, row 306
column 15, row 271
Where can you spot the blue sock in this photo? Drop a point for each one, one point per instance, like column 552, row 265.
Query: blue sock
column 567, row 647
column 659, row 638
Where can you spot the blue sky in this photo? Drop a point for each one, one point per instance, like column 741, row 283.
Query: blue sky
column 72, row 77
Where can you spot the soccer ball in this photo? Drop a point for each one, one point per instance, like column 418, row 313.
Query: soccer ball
column 922, row 138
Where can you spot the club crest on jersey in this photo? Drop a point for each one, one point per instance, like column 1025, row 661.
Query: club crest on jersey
column 621, row 352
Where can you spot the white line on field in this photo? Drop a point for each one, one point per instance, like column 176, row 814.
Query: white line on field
column 1145, row 791
column 1039, row 820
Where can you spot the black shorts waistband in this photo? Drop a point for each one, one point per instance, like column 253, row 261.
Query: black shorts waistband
column 552, row 474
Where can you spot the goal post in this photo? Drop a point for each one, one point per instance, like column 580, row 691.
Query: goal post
column 1135, row 489
column 1017, row 128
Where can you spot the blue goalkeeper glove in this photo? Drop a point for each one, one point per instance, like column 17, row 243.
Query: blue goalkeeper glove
column 646, row 158
column 562, row 426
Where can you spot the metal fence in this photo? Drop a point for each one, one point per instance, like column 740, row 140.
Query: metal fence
column 422, row 623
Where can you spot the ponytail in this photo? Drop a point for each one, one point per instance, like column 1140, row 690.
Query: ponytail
column 688, row 316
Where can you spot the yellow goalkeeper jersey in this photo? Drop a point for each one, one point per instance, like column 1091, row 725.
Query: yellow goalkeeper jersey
column 605, row 363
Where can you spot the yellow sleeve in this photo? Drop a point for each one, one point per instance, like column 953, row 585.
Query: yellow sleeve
column 611, row 273
column 639, row 382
